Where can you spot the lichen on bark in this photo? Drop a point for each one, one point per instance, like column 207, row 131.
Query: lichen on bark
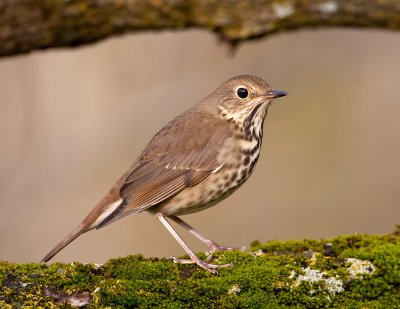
column 27, row 25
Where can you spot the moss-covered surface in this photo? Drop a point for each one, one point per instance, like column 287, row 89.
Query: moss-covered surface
column 28, row 25
column 357, row 271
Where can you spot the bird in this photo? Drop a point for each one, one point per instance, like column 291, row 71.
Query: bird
column 195, row 161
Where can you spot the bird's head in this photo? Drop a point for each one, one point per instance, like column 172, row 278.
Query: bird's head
column 244, row 96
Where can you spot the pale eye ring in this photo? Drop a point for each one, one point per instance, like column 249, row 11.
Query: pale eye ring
column 242, row 93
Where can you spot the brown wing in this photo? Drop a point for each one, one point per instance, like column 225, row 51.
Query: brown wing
column 177, row 157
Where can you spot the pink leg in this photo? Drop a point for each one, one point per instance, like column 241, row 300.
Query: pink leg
column 213, row 246
column 193, row 257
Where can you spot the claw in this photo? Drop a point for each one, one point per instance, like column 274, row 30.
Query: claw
column 212, row 268
column 180, row 261
column 216, row 247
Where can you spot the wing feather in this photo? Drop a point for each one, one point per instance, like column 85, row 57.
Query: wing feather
column 176, row 158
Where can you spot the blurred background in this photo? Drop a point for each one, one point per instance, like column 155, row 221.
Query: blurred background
column 73, row 120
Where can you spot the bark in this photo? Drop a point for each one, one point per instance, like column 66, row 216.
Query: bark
column 27, row 25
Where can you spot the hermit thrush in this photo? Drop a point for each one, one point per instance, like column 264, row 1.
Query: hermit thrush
column 194, row 162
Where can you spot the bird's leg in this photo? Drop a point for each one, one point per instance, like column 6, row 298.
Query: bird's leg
column 213, row 246
column 193, row 257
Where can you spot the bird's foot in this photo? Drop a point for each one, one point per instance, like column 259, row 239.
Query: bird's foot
column 216, row 247
column 213, row 247
column 212, row 268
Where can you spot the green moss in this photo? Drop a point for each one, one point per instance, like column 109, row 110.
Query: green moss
column 357, row 271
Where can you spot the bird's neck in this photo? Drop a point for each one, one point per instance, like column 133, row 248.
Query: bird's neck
column 242, row 151
column 247, row 122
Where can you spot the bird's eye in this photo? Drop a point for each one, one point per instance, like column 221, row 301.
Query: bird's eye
column 242, row 93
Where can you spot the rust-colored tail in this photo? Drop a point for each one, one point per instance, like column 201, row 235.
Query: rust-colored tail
column 80, row 229
column 92, row 220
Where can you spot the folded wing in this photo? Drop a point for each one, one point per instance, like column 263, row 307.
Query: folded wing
column 175, row 158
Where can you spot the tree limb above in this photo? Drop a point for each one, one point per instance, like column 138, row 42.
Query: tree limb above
column 27, row 25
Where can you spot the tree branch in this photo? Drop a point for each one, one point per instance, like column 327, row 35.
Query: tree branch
column 27, row 25
column 358, row 271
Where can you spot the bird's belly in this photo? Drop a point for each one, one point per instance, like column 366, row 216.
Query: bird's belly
column 213, row 189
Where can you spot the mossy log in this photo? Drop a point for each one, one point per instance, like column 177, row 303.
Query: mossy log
column 27, row 25
column 357, row 271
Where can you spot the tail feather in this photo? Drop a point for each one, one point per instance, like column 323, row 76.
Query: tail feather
column 80, row 229
column 99, row 214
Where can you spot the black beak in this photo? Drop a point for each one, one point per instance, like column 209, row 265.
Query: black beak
column 273, row 94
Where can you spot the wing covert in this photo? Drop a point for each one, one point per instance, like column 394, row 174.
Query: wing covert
column 175, row 158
